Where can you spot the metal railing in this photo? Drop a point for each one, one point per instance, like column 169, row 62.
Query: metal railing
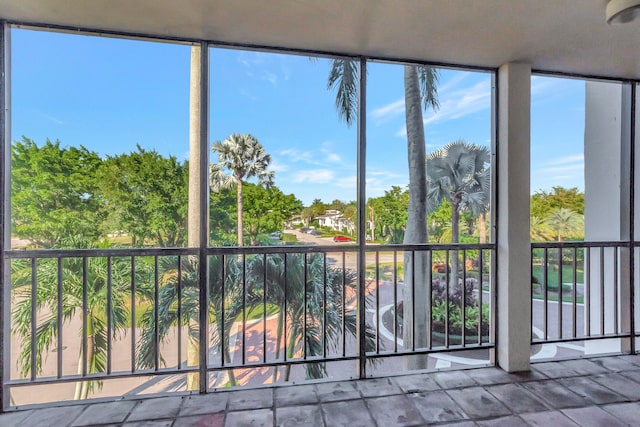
column 274, row 313
column 582, row 291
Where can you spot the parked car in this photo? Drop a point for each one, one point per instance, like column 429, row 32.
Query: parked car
column 341, row 239
column 314, row 232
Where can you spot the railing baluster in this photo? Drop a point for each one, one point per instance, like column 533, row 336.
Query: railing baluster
column 446, row 309
column 133, row 313
column 284, row 329
column 34, row 314
column 575, row 293
column 377, row 320
column 480, row 290
column 587, row 290
column 602, row 290
column 395, row 301
column 430, row 295
column 464, row 295
column 264, row 308
column 304, row 308
column 85, row 315
column 244, row 310
column 615, row 291
column 545, row 286
column 324, row 303
column 109, row 313
column 223, row 296
column 560, row 266
column 156, row 314
column 413, row 300
column 179, row 311
column 59, row 318
column 344, row 303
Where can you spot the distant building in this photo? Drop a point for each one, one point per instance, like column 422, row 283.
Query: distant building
column 334, row 220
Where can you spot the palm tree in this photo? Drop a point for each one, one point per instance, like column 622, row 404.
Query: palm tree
column 322, row 296
column 539, row 230
column 459, row 174
column 245, row 158
column 420, row 89
column 98, row 305
column 179, row 295
column 564, row 222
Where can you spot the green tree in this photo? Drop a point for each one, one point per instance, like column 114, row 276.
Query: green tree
column 54, row 193
column 267, row 209
column 223, row 218
column 459, row 174
column 244, row 157
column 565, row 223
column 147, row 193
column 543, row 202
column 98, row 305
column 420, row 89
column 392, row 213
column 539, row 229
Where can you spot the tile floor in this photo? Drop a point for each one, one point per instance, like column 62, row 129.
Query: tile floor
column 587, row 392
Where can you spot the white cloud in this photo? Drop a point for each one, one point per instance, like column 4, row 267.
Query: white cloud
column 295, row 155
column 387, row 112
column 330, row 155
column 567, row 159
column 314, row 176
column 276, row 166
column 349, row 182
column 462, row 102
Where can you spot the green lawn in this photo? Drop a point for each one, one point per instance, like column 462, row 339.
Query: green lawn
column 552, row 276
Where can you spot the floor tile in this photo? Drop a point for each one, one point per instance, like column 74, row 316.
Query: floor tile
column 583, row 367
column 12, row 419
column 394, row 411
column 416, row 383
column 478, row 403
column 55, row 416
column 338, row 391
column 257, row 418
column 155, row 408
column 453, row 379
column 437, row 406
column 353, row 413
column 203, row 420
column 518, row 399
column 615, row 364
column 553, row 370
column 299, row 416
column 620, row 384
column 105, row 413
column 295, row 395
column 555, row 394
column 378, row 387
column 489, row 376
column 250, row 399
column 592, row 416
column 548, row 419
column 596, row 393
column 198, row 404
column 627, row 412
column 509, row 421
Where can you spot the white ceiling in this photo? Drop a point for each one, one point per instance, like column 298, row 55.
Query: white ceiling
column 554, row 35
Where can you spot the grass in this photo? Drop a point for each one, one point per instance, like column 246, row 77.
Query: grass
column 552, row 276
column 288, row 237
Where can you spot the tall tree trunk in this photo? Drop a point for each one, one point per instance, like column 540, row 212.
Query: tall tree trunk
column 455, row 238
column 239, row 189
column 279, row 330
column 482, row 225
column 82, row 387
column 290, row 351
column 416, row 232
column 193, row 210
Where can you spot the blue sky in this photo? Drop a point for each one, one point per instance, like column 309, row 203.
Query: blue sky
column 110, row 94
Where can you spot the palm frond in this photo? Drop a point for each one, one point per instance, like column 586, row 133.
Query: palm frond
column 344, row 78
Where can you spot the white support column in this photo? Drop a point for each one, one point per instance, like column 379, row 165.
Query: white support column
column 606, row 207
column 514, row 249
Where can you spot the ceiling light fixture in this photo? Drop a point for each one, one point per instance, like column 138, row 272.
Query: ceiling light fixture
column 622, row 11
